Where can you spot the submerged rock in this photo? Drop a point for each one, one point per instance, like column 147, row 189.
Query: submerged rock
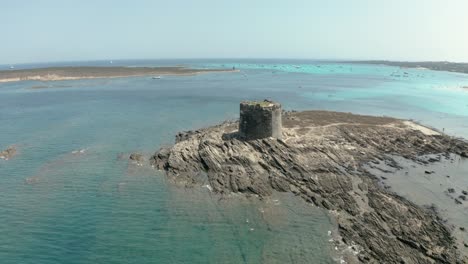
column 31, row 180
column 137, row 158
column 322, row 157
column 8, row 153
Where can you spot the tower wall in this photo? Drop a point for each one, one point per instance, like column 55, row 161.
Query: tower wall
column 260, row 120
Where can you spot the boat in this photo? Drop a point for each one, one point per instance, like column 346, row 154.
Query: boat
column 156, row 77
column 12, row 67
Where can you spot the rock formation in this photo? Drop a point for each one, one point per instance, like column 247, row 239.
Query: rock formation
column 137, row 158
column 8, row 153
column 321, row 158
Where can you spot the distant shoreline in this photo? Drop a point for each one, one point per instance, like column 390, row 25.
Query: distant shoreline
column 85, row 72
column 429, row 65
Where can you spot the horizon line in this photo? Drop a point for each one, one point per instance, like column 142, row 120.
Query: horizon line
column 221, row 58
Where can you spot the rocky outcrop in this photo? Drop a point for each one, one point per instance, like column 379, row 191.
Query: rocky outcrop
column 322, row 158
column 8, row 153
column 137, row 158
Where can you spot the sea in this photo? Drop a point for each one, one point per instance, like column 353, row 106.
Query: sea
column 70, row 195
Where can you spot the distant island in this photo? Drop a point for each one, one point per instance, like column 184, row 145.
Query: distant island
column 76, row 73
column 430, row 65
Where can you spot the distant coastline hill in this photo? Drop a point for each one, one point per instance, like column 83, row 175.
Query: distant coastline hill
column 431, row 65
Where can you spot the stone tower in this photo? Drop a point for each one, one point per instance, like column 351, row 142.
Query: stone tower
column 260, row 119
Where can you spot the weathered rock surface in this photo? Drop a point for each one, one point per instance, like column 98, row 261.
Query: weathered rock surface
column 137, row 158
column 8, row 153
column 322, row 158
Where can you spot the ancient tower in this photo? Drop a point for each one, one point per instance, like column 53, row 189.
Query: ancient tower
column 260, row 119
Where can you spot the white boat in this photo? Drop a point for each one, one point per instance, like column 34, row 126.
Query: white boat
column 12, row 67
column 156, row 77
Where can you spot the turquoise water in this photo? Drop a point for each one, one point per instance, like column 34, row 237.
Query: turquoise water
column 58, row 205
column 434, row 98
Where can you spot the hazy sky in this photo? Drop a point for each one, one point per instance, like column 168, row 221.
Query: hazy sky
column 64, row 30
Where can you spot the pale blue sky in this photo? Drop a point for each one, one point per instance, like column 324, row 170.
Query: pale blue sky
column 64, row 30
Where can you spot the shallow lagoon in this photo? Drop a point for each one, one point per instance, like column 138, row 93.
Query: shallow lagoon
column 58, row 206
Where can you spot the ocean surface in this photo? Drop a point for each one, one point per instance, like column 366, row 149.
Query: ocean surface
column 70, row 195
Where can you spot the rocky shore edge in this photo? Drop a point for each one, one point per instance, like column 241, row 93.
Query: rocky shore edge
column 322, row 158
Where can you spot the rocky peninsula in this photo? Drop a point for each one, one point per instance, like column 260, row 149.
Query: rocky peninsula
column 322, row 157
column 82, row 72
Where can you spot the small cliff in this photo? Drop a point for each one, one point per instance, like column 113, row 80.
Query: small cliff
column 321, row 158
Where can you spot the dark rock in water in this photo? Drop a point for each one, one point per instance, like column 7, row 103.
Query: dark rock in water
column 318, row 158
column 429, row 172
column 464, row 192
column 8, row 153
column 465, row 244
column 137, row 157
column 451, row 190
column 462, row 228
column 464, row 154
column 391, row 163
column 121, row 156
column 458, row 201
column 462, row 197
